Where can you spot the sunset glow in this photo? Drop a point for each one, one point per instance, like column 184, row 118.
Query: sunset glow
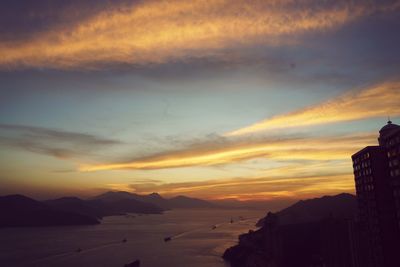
column 247, row 100
column 297, row 149
column 175, row 30
column 377, row 101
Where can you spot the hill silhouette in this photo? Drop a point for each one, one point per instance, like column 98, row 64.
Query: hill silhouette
column 156, row 199
column 342, row 206
column 77, row 205
column 18, row 210
column 312, row 232
column 106, row 204
column 183, row 202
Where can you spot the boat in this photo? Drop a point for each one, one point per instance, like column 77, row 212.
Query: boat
column 78, row 250
column 231, row 220
column 124, row 240
column 214, row 227
column 135, row 263
column 168, row 238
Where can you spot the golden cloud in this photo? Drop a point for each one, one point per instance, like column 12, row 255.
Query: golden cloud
column 289, row 185
column 158, row 31
column 320, row 148
column 377, row 101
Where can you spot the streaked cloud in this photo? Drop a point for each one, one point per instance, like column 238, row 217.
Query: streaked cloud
column 161, row 31
column 172, row 74
column 380, row 100
column 56, row 143
column 289, row 185
column 206, row 154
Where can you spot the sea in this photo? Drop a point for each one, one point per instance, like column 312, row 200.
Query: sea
column 198, row 238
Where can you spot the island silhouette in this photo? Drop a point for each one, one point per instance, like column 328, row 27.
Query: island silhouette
column 19, row 210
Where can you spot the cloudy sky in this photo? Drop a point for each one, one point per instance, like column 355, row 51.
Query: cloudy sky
column 214, row 99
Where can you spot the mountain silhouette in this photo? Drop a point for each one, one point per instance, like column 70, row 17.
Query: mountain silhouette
column 153, row 198
column 77, row 205
column 121, row 206
column 313, row 232
column 18, row 210
column 342, row 206
column 113, row 203
column 183, row 202
column 120, row 200
column 156, row 199
column 111, row 196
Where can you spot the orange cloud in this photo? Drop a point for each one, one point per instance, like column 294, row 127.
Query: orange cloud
column 377, row 101
column 322, row 148
column 159, row 31
column 289, row 185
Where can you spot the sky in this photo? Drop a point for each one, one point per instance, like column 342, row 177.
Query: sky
column 247, row 100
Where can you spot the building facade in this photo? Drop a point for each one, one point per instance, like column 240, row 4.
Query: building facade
column 389, row 139
column 377, row 182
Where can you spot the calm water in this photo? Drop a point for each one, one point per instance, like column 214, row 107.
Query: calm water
column 193, row 243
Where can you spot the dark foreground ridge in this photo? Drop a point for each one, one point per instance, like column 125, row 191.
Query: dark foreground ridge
column 309, row 233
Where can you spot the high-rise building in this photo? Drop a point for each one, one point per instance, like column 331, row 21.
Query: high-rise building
column 389, row 139
column 377, row 180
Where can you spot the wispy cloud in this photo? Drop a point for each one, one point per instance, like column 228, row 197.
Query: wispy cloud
column 56, row 143
column 377, row 101
column 287, row 185
column 229, row 151
column 161, row 31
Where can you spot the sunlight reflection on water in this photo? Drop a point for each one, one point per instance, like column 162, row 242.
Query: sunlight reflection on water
column 194, row 242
